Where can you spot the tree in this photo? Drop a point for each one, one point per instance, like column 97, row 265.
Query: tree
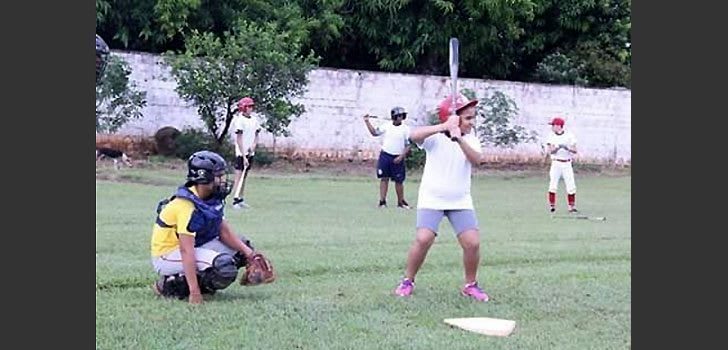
column 117, row 99
column 257, row 60
column 494, row 120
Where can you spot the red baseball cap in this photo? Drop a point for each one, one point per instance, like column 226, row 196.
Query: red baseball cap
column 245, row 101
column 557, row 121
column 461, row 102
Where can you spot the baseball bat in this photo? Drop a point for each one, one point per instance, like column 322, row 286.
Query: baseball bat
column 581, row 217
column 454, row 58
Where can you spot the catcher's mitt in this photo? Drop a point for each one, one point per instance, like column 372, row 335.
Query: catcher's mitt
column 259, row 270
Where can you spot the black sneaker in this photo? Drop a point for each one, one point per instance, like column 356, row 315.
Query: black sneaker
column 552, row 209
column 403, row 204
column 382, row 204
column 573, row 210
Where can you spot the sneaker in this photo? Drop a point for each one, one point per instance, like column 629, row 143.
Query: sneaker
column 239, row 203
column 474, row 291
column 573, row 210
column 404, row 205
column 552, row 208
column 405, row 288
column 382, row 204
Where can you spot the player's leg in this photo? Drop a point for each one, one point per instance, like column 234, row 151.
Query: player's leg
column 220, row 247
column 383, row 176
column 238, row 166
column 428, row 221
column 554, row 175
column 570, row 186
column 398, row 176
column 172, row 282
column 465, row 224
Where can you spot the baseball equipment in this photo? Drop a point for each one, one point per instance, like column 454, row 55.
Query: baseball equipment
column 484, row 325
column 398, row 111
column 454, row 59
column 220, row 275
column 239, row 187
column 445, row 107
column 580, row 217
column 102, row 57
column 258, row 271
column 557, row 121
column 204, row 166
column 245, row 101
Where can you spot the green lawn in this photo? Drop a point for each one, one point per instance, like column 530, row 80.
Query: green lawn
column 567, row 283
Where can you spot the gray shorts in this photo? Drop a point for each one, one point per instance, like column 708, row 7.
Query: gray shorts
column 460, row 219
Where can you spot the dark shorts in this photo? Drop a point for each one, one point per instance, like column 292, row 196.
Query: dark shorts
column 387, row 168
column 238, row 163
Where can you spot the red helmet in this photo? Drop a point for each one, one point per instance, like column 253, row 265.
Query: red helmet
column 443, row 109
column 557, row 121
column 245, row 101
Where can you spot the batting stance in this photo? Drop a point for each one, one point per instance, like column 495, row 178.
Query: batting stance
column 452, row 148
column 561, row 146
column 395, row 147
column 194, row 249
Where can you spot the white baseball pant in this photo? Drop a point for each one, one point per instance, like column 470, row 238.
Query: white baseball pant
column 558, row 170
column 171, row 263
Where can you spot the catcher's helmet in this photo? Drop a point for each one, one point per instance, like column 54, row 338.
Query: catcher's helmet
column 102, row 57
column 397, row 111
column 203, row 167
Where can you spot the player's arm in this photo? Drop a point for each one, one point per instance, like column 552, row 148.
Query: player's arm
column 255, row 142
column 231, row 240
column 473, row 156
column 178, row 214
column 419, row 134
column 371, row 128
column 189, row 264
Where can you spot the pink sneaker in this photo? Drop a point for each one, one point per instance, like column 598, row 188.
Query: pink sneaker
column 474, row 291
column 405, row 288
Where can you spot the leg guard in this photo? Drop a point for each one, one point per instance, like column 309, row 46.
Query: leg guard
column 174, row 286
column 220, row 275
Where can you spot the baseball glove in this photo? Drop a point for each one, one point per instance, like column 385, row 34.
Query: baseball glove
column 259, row 270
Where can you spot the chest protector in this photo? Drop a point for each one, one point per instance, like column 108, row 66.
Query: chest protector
column 206, row 217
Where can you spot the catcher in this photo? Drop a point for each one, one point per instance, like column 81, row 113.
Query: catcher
column 194, row 249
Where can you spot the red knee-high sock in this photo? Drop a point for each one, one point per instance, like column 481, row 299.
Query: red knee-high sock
column 552, row 198
column 571, row 198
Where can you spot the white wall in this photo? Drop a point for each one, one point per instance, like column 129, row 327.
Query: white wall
column 336, row 100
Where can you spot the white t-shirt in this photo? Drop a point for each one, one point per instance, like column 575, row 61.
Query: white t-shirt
column 566, row 138
column 395, row 137
column 445, row 180
column 249, row 127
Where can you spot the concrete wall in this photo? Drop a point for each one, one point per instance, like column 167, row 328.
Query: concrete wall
column 336, row 100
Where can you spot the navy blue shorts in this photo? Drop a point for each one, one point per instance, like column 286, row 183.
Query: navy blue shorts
column 387, row 168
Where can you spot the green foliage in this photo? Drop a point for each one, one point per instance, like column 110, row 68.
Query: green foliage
column 495, row 112
column 117, row 99
column 254, row 60
column 560, row 69
column 263, row 156
column 191, row 140
column 500, row 39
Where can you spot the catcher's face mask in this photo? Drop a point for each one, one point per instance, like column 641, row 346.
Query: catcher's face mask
column 222, row 186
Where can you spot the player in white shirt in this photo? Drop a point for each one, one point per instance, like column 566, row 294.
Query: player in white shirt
column 395, row 147
column 452, row 148
column 561, row 146
column 245, row 130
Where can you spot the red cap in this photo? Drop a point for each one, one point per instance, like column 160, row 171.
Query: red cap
column 461, row 102
column 245, row 101
column 557, row 121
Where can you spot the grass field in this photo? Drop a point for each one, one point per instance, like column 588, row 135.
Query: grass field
column 566, row 282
